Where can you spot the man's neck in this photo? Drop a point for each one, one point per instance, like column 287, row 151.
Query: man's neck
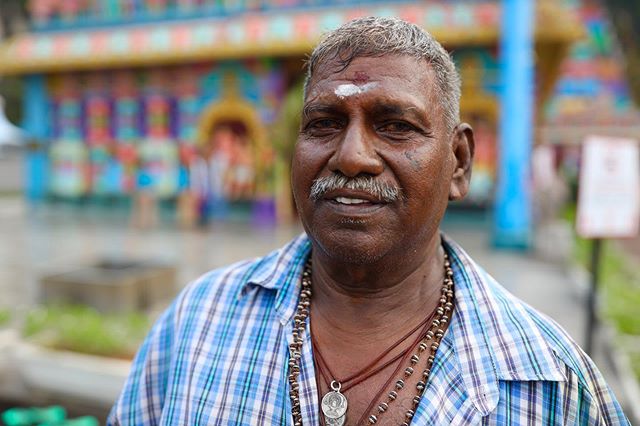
column 370, row 302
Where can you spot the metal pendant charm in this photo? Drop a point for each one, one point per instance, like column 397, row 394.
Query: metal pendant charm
column 328, row 421
column 334, row 405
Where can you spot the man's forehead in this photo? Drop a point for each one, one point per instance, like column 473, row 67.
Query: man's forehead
column 357, row 82
column 353, row 73
column 360, row 77
column 332, row 100
column 362, row 70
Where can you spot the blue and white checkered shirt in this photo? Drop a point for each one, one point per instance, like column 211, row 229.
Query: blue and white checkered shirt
column 218, row 356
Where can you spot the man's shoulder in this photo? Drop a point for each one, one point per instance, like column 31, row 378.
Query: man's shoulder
column 500, row 339
column 566, row 350
column 534, row 324
column 524, row 343
column 228, row 283
column 228, row 278
column 551, row 352
column 581, row 381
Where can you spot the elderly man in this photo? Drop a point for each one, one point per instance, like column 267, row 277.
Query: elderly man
column 373, row 316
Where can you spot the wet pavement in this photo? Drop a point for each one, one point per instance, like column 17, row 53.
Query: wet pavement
column 35, row 242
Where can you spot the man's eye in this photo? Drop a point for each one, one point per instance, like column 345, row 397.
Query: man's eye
column 396, row 127
column 323, row 123
column 322, row 127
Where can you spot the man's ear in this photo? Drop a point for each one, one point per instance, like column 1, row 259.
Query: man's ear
column 462, row 146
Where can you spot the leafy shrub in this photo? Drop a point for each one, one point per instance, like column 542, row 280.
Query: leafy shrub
column 83, row 329
column 5, row 317
column 619, row 285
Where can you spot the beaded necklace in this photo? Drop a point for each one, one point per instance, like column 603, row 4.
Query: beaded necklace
column 334, row 404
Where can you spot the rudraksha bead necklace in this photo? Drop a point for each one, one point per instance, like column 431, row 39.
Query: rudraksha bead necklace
column 334, row 404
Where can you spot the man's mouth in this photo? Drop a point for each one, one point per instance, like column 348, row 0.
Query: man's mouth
column 350, row 201
column 354, row 202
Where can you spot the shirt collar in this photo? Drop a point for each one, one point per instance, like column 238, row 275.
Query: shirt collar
column 493, row 334
column 280, row 271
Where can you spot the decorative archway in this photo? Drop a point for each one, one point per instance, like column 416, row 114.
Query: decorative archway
column 231, row 109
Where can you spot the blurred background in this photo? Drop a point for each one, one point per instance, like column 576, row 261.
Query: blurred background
column 144, row 142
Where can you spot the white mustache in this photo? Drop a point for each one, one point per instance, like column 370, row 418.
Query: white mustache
column 381, row 190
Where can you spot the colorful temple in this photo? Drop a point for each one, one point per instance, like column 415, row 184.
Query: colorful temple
column 125, row 95
column 591, row 95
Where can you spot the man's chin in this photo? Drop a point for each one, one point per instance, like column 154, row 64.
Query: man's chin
column 350, row 249
column 354, row 257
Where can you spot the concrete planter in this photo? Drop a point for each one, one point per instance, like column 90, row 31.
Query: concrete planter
column 112, row 285
column 91, row 379
column 8, row 340
column 11, row 384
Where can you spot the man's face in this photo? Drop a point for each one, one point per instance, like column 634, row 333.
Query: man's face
column 378, row 118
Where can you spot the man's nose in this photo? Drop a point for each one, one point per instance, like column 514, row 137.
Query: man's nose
column 356, row 153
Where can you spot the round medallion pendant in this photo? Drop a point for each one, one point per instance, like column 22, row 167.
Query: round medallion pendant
column 328, row 421
column 334, row 406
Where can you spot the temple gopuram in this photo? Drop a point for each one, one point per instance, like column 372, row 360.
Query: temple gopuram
column 123, row 95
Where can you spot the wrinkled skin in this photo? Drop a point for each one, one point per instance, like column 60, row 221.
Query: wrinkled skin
column 392, row 129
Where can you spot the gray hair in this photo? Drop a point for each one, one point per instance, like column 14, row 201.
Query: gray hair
column 374, row 37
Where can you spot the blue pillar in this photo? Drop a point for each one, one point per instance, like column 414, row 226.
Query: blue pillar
column 513, row 218
column 36, row 123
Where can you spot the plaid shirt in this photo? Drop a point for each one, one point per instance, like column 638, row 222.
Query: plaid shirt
column 218, row 356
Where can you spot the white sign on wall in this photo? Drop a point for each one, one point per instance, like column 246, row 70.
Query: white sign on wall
column 609, row 194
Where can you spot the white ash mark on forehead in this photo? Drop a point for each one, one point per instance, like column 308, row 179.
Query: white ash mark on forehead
column 345, row 90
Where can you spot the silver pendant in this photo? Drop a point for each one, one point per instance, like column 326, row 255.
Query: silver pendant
column 328, row 421
column 334, row 405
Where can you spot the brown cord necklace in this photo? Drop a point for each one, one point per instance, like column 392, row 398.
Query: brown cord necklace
column 334, row 403
column 369, row 371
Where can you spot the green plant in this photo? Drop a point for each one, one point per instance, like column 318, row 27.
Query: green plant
column 5, row 317
column 619, row 285
column 83, row 329
column 619, row 280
